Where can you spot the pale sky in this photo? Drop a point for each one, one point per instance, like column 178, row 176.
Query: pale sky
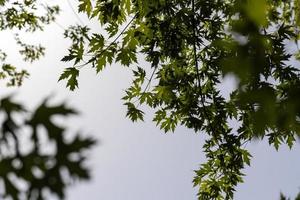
column 137, row 161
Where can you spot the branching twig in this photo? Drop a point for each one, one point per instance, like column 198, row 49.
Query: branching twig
column 105, row 49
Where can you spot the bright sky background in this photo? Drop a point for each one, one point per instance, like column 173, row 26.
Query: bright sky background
column 136, row 161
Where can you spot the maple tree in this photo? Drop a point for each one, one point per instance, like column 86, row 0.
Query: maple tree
column 190, row 46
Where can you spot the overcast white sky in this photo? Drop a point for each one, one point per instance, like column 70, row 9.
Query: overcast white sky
column 137, row 161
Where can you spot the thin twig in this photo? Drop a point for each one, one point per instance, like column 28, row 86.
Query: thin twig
column 202, row 98
column 147, row 86
column 196, row 62
column 75, row 13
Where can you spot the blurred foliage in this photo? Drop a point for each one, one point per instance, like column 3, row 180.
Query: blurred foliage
column 36, row 158
column 29, row 16
column 282, row 197
column 191, row 45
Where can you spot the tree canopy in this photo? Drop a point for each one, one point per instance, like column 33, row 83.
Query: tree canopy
column 191, row 45
column 37, row 160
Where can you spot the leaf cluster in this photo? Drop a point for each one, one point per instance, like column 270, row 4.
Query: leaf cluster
column 29, row 16
column 35, row 157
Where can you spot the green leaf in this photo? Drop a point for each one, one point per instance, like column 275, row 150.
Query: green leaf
column 71, row 75
column 101, row 62
column 85, row 6
column 133, row 113
column 96, row 43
